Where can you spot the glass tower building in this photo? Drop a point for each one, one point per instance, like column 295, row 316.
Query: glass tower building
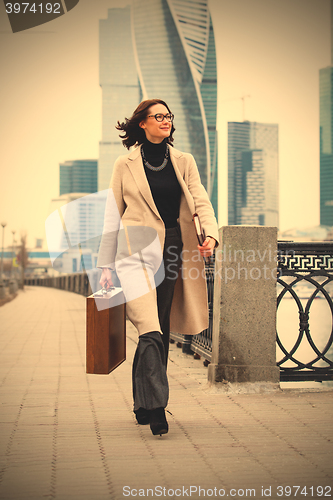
column 253, row 173
column 78, row 176
column 326, row 145
column 172, row 45
column 121, row 91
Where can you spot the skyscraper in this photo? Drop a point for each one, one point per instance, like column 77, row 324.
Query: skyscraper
column 121, row 91
column 253, row 173
column 326, row 142
column 172, row 45
column 78, row 176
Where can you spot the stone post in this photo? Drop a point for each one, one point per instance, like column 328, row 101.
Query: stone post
column 244, row 318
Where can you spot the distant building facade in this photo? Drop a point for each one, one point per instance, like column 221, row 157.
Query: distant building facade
column 253, row 165
column 78, row 176
column 326, row 145
column 74, row 229
column 76, row 225
column 179, row 66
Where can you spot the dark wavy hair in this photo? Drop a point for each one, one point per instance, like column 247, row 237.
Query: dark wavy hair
column 133, row 133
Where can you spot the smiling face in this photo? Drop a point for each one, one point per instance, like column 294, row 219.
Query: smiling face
column 156, row 131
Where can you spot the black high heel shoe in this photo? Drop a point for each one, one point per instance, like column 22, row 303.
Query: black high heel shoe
column 158, row 422
column 142, row 416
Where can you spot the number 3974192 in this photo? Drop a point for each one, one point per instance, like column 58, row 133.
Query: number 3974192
column 24, row 8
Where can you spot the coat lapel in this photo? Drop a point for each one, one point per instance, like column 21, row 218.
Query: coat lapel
column 135, row 165
column 179, row 165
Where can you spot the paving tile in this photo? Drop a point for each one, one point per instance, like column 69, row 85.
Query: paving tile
column 76, row 433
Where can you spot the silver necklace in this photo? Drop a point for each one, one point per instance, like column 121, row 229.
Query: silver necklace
column 164, row 163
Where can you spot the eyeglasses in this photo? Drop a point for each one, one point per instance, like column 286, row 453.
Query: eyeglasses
column 159, row 117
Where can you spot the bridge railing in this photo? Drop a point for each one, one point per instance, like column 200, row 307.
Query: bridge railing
column 77, row 283
column 306, row 277
column 300, row 268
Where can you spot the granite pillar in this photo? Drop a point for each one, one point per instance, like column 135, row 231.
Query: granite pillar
column 244, row 318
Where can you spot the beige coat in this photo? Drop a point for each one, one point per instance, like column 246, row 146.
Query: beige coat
column 189, row 313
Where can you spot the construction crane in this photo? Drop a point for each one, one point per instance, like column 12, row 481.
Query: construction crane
column 243, row 97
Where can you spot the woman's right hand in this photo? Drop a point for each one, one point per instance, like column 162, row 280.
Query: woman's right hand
column 106, row 278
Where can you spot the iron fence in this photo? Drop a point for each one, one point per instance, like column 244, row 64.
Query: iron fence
column 201, row 344
column 305, row 274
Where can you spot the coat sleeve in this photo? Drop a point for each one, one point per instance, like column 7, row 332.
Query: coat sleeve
column 202, row 202
column 114, row 209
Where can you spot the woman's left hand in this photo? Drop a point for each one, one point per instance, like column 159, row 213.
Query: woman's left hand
column 207, row 248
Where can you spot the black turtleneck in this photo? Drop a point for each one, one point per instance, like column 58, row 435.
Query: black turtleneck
column 163, row 184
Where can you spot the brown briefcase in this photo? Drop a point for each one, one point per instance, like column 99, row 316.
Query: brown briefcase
column 106, row 334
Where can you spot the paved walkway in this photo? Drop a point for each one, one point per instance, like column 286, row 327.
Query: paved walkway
column 66, row 435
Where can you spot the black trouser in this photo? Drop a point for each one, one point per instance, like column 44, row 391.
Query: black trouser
column 150, row 383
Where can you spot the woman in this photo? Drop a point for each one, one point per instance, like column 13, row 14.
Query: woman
column 158, row 187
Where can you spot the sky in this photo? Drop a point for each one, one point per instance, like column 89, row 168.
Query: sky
column 270, row 50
